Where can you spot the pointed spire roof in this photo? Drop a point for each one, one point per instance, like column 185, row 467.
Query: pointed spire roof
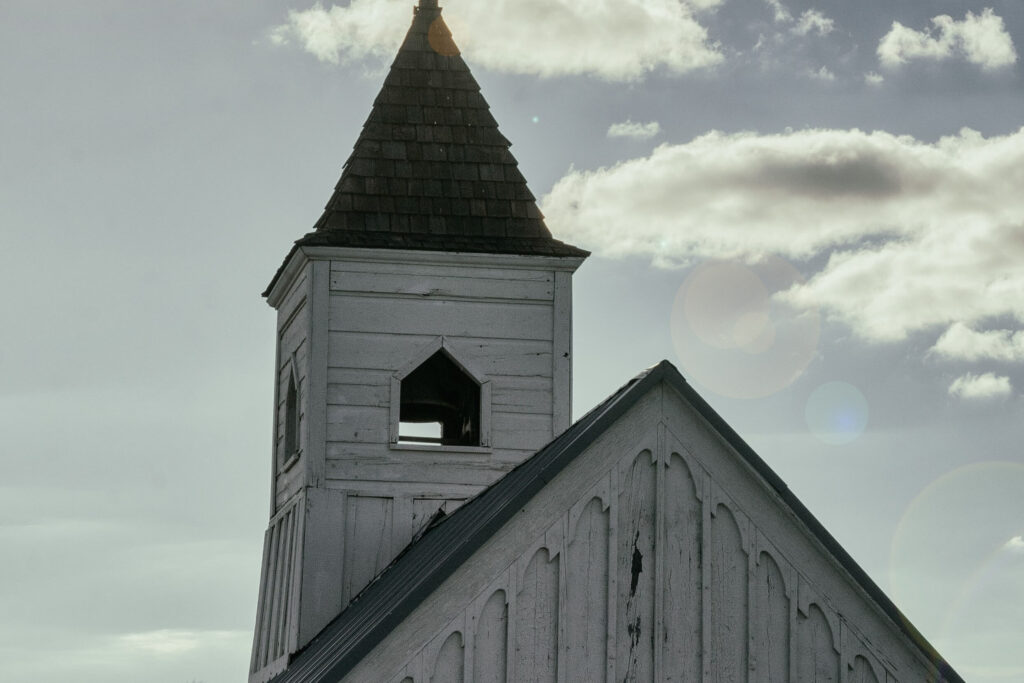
column 430, row 169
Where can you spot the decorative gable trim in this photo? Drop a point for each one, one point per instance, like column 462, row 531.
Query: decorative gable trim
column 444, row 548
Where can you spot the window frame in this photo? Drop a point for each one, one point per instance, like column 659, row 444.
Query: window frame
column 285, row 459
column 421, row 356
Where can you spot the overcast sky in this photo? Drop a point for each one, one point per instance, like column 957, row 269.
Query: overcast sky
column 814, row 209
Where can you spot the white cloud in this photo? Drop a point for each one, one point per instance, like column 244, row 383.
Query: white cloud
column 978, row 387
column 278, row 35
column 781, row 13
column 637, row 131
column 813, row 21
column 961, row 342
column 872, row 78
column 981, row 39
column 918, row 235
column 618, row 41
column 363, row 29
column 822, row 74
column 1015, row 545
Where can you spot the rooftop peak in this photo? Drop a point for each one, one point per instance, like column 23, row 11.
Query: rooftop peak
column 430, row 169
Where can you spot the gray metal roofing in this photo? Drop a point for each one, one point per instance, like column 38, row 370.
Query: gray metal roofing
column 430, row 170
column 428, row 561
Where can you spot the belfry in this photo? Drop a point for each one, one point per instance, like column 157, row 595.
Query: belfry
column 436, row 515
column 424, row 341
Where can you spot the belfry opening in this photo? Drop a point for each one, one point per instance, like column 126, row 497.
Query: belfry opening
column 440, row 404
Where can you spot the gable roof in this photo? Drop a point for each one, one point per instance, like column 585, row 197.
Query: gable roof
column 430, row 169
column 432, row 558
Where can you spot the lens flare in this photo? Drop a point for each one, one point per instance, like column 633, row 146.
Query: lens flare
column 733, row 335
column 440, row 39
column 836, row 412
column 957, row 559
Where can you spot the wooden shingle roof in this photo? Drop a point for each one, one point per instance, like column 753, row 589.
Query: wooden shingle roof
column 430, row 169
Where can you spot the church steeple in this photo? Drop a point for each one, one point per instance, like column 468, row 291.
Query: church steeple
column 431, row 170
column 424, row 342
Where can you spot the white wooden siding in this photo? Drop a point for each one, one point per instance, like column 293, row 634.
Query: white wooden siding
column 657, row 555
column 451, row 318
column 293, row 352
column 352, row 319
column 381, row 316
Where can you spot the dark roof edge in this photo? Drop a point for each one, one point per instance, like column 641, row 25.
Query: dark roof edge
column 469, row 534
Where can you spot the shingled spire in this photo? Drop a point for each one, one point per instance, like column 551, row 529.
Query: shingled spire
column 430, row 169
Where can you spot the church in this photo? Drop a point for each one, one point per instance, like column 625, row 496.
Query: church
column 435, row 514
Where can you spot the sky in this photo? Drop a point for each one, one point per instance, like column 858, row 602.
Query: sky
column 813, row 209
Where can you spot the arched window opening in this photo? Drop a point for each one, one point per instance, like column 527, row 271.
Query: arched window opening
column 291, row 419
column 440, row 404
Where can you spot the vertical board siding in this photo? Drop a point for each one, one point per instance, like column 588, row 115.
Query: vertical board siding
column 366, row 517
column 378, row 319
column 771, row 623
column 450, row 661
column 817, row 659
column 863, row 671
column 724, row 596
column 490, row 641
column 635, row 607
column 681, row 651
column 586, row 592
column 561, row 369
column 728, row 599
column 274, row 623
column 536, row 649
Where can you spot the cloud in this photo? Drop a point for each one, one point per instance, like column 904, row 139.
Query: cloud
column 961, row 342
column 365, row 28
column 637, row 131
column 170, row 641
column 780, row 12
column 977, row 387
column 872, row 78
column 822, row 74
column 792, row 45
column 981, row 39
column 813, row 21
column 810, row 21
column 1015, row 545
column 918, row 236
column 617, row 41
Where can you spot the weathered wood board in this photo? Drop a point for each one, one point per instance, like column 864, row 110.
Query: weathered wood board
column 657, row 555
